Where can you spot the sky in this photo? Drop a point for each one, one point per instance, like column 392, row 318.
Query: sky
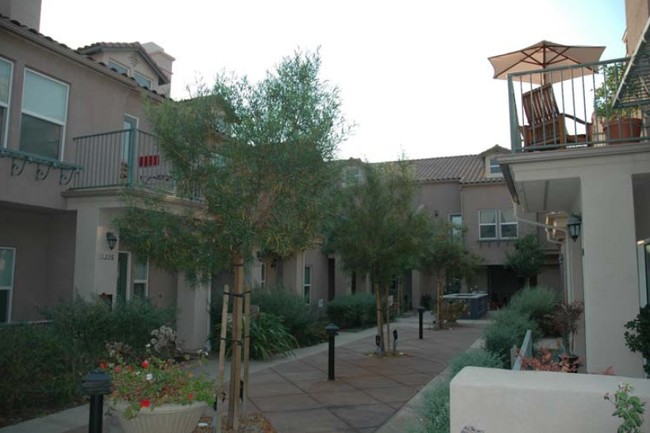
column 413, row 75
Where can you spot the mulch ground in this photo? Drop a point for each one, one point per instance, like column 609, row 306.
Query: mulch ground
column 251, row 423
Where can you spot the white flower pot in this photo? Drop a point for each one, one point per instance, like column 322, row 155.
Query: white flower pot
column 167, row 418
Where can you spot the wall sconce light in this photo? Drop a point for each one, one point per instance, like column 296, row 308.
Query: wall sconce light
column 435, row 213
column 260, row 255
column 111, row 240
column 574, row 224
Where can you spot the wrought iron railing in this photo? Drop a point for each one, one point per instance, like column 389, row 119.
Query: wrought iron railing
column 574, row 107
column 128, row 158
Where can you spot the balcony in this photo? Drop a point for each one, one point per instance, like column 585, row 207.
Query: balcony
column 590, row 105
column 127, row 159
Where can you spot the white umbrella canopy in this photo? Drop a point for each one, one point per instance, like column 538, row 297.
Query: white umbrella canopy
column 543, row 55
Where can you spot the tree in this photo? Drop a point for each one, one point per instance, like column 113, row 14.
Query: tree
column 260, row 154
column 375, row 229
column 527, row 259
column 443, row 256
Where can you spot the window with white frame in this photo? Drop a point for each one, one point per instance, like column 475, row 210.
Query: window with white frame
column 120, row 68
column 6, row 76
column 495, row 168
column 307, row 285
column 45, row 106
column 456, row 221
column 497, row 224
column 142, row 80
column 507, row 224
column 140, row 277
column 262, row 274
column 7, row 260
column 487, row 224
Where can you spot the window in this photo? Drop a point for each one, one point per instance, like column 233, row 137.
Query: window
column 140, row 277
column 263, row 275
column 120, row 68
column 456, row 221
column 6, row 72
column 504, row 219
column 495, row 168
column 307, row 285
column 45, row 105
column 507, row 224
column 7, row 259
column 142, row 80
column 487, row 222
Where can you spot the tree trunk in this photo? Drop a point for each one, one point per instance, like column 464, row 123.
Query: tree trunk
column 380, row 324
column 439, row 293
column 388, row 320
column 235, row 370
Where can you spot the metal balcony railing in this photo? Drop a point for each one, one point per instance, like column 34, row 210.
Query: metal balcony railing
column 575, row 107
column 128, row 158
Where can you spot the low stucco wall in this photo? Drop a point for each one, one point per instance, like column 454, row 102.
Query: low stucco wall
column 493, row 400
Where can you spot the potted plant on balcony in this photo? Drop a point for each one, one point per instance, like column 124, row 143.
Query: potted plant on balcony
column 619, row 123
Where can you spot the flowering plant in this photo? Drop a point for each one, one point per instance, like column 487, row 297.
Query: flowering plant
column 152, row 382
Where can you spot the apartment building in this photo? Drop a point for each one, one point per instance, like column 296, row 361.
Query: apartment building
column 73, row 136
column 467, row 190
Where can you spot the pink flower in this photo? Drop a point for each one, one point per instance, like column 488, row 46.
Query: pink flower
column 103, row 365
column 117, row 369
column 145, row 364
column 190, row 396
column 145, row 403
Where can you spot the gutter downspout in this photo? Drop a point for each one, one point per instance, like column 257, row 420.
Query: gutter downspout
column 567, row 260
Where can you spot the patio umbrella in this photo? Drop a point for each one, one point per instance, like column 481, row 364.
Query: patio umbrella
column 543, row 55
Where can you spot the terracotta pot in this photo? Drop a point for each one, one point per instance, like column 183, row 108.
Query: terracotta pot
column 168, row 418
column 620, row 129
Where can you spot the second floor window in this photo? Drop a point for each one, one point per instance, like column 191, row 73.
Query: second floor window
column 495, row 168
column 6, row 72
column 142, row 80
column 497, row 224
column 45, row 106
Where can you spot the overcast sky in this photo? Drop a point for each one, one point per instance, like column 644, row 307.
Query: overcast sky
column 413, row 75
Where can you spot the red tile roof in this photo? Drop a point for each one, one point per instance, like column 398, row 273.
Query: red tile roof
column 462, row 169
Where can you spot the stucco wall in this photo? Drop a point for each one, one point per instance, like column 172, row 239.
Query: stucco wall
column 96, row 103
column 636, row 15
column 44, row 258
column 504, row 401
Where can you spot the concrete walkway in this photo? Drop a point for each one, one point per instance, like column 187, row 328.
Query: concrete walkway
column 369, row 394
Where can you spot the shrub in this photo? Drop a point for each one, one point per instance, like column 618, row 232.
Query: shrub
column 507, row 330
column 42, row 365
column 474, row 358
column 301, row 320
column 434, row 412
column 268, row 336
column 88, row 326
column 538, row 303
column 637, row 335
column 353, row 311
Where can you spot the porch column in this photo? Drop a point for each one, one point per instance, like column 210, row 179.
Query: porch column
column 193, row 315
column 611, row 290
column 95, row 270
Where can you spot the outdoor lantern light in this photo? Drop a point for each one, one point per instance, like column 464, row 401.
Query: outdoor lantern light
column 111, row 240
column 573, row 225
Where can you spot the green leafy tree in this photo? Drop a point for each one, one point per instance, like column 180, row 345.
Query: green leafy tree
column 443, row 256
column 527, row 259
column 376, row 230
column 260, row 155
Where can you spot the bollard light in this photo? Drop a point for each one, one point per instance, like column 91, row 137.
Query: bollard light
column 394, row 340
column 96, row 384
column 420, row 312
column 332, row 332
column 378, row 344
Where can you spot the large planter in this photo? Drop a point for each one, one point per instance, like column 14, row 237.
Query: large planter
column 618, row 130
column 168, row 418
